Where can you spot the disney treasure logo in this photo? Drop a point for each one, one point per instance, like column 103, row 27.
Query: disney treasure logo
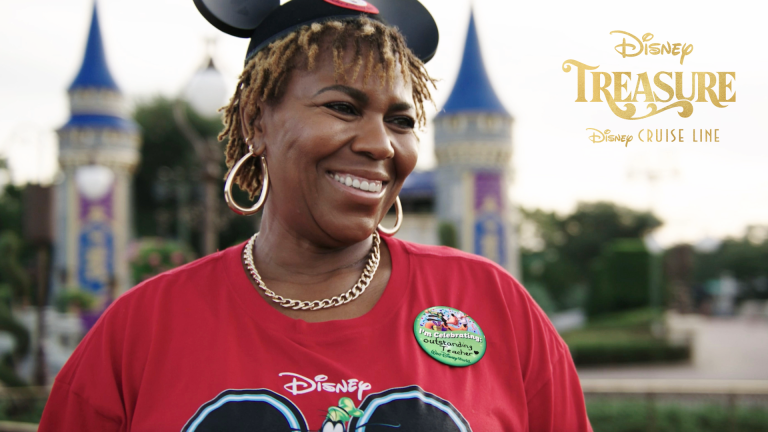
column 713, row 87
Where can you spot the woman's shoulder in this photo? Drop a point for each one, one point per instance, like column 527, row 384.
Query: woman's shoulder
column 454, row 270
column 183, row 283
column 447, row 258
column 164, row 303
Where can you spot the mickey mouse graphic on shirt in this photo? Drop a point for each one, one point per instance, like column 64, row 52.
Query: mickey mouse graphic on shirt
column 404, row 409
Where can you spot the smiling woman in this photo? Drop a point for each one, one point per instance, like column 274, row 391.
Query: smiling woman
column 318, row 322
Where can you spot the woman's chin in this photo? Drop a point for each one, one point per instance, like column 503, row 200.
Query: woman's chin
column 349, row 232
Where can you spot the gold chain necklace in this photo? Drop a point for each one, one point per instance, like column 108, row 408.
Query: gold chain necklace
column 353, row 293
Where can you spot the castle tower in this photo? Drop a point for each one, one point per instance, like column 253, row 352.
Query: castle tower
column 473, row 146
column 98, row 151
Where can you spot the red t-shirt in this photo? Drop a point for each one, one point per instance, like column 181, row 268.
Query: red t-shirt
column 198, row 349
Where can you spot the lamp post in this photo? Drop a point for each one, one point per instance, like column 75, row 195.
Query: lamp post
column 206, row 92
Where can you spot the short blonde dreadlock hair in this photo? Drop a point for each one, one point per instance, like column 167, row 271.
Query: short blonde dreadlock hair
column 264, row 76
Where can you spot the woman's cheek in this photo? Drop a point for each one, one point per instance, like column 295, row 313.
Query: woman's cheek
column 408, row 156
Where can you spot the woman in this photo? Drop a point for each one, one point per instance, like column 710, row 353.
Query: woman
column 268, row 335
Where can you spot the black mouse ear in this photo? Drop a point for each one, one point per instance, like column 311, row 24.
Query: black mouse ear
column 414, row 22
column 236, row 17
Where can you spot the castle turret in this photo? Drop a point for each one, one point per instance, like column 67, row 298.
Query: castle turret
column 473, row 146
column 98, row 151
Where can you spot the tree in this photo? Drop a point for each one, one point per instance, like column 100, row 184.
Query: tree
column 562, row 256
column 745, row 258
column 14, row 281
column 10, row 209
column 167, row 190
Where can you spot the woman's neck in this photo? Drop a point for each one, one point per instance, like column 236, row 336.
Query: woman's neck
column 288, row 255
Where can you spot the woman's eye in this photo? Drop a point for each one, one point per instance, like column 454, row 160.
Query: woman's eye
column 343, row 108
column 404, row 122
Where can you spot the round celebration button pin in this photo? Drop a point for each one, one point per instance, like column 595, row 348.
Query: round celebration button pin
column 449, row 336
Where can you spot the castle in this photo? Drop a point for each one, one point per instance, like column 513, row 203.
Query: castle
column 98, row 151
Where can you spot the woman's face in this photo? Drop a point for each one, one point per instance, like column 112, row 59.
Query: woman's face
column 326, row 142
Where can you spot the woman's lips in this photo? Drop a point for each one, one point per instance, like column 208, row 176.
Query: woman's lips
column 359, row 183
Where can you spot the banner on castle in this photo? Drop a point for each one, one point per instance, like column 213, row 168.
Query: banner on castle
column 96, row 243
column 489, row 222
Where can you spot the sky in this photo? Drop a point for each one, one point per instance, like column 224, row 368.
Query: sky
column 700, row 190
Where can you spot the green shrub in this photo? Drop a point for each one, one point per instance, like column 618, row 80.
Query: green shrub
column 623, row 337
column 631, row 351
column 448, row 235
column 621, row 277
column 639, row 416
column 74, row 297
column 631, row 319
column 151, row 256
column 24, row 410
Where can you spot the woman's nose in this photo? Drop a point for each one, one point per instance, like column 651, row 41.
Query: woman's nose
column 374, row 139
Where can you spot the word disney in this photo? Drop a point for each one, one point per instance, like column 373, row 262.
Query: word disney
column 684, row 88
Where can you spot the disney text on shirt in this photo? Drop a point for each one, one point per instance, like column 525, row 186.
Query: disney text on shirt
column 301, row 385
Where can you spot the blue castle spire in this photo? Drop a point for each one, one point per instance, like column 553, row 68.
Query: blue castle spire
column 473, row 91
column 94, row 72
column 95, row 99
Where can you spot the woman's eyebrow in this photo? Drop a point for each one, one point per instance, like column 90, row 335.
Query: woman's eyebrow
column 358, row 95
column 400, row 106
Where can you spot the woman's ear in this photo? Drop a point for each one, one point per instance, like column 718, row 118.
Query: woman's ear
column 251, row 125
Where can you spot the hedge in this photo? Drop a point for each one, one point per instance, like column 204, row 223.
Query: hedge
column 631, row 351
column 633, row 416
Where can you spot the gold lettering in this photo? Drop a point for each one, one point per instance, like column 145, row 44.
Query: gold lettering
column 723, row 76
column 647, row 91
column 596, row 87
column 708, row 89
column 679, row 86
column 580, row 68
column 663, row 86
column 687, row 49
column 618, row 85
column 622, row 47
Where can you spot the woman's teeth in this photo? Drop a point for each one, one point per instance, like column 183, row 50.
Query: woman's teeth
column 357, row 183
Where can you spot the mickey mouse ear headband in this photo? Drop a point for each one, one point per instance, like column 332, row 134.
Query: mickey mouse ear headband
column 264, row 21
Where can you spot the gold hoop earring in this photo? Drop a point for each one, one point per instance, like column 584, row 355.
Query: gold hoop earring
column 264, row 187
column 398, row 219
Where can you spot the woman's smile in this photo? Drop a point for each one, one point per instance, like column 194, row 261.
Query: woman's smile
column 360, row 183
column 361, row 189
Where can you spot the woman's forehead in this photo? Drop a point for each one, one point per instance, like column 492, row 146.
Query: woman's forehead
column 356, row 70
